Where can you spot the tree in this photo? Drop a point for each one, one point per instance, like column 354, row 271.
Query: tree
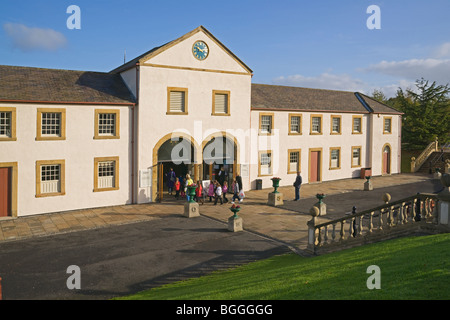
column 426, row 113
column 379, row 96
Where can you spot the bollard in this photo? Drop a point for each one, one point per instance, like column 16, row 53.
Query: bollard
column 354, row 222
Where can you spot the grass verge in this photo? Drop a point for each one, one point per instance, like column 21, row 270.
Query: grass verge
column 411, row 268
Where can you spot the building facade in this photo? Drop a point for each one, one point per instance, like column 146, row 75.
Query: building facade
column 73, row 139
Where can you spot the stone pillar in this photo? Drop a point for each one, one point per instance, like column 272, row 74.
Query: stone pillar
column 312, row 232
column 444, row 201
column 275, row 199
column 235, row 224
column 413, row 164
column 368, row 185
column 191, row 210
column 447, row 166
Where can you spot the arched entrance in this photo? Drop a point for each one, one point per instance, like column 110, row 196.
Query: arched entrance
column 386, row 159
column 176, row 151
column 220, row 158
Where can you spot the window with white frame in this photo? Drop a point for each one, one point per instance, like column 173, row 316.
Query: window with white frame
column 295, row 124
column 221, row 103
column 356, row 156
column 387, row 125
column 294, row 161
column 316, row 125
column 177, row 103
column 107, row 124
column 50, row 178
column 5, row 124
column 106, row 173
column 266, row 124
column 51, row 124
column 265, row 163
column 357, row 125
column 335, row 124
column 335, row 158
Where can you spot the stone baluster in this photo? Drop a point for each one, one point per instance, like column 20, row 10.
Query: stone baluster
column 342, row 233
column 325, row 235
column 360, row 227
column 380, row 227
column 333, row 233
column 371, row 222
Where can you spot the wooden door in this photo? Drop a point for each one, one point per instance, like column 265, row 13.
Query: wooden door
column 5, row 192
column 314, row 171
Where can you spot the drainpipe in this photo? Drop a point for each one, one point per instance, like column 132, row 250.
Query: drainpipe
column 133, row 135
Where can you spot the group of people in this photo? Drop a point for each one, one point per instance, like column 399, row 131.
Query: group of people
column 216, row 189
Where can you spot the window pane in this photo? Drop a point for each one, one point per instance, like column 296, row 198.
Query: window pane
column 107, row 124
column 177, row 101
column 316, row 125
column 5, row 124
column 50, row 178
column 106, row 174
column 356, row 156
column 356, row 124
column 221, row 103
column 336, row 125
column 335, row 158
column 295, row 124
column 51, row 123
column 387, row 125
column 266, row 124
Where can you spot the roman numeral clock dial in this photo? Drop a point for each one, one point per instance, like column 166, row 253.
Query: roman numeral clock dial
column 200, row 50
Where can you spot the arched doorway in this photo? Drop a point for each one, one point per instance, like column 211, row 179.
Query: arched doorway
column 220, row 158
column 386, row 159
column 175, row 152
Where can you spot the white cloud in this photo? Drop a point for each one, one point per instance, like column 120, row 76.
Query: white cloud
column 28, row 39
column 326, row 80
column 443, row 51
column 343, row 82
column 431, row 69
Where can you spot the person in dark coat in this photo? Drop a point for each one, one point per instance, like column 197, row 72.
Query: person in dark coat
column 171, row 177
column 297, row 185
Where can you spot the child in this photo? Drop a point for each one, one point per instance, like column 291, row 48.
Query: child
column 177, row 188
column 211, row 190
column 189, row 182
column 182, row 187
column 218, row 193
column 199, row 192
column 224, row 191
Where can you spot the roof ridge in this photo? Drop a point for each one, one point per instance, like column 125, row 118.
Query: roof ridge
column 285, row 86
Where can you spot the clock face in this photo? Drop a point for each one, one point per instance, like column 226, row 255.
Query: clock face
column 200, row 50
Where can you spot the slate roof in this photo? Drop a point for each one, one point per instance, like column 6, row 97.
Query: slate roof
column 285, row 98
column 62, row 86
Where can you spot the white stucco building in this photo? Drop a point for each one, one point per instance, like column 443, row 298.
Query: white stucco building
column 74, row 139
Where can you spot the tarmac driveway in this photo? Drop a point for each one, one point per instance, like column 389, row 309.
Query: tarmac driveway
column 125, row 259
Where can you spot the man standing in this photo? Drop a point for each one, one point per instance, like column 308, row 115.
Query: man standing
column 297, row 185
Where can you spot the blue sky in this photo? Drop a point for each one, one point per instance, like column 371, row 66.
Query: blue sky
column 319, row 44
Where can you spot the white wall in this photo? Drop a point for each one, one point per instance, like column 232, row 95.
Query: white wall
column 280, row 142
column 78, row 149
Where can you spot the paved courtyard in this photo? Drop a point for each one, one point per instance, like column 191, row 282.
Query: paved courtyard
column 286, row 223
column 125, row 249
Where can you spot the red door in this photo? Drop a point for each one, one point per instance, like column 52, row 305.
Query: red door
column 5, row 192
column 314, row 171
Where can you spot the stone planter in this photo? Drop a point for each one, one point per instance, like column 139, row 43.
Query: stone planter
column 368, row 184
column 321, row 205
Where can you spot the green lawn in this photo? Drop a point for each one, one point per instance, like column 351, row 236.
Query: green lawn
column 411, row 268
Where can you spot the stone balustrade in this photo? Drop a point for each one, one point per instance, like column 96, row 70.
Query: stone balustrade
column 383, row 222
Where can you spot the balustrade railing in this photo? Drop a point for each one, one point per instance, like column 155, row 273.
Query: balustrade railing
column 416, row 163
column 418, row 208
